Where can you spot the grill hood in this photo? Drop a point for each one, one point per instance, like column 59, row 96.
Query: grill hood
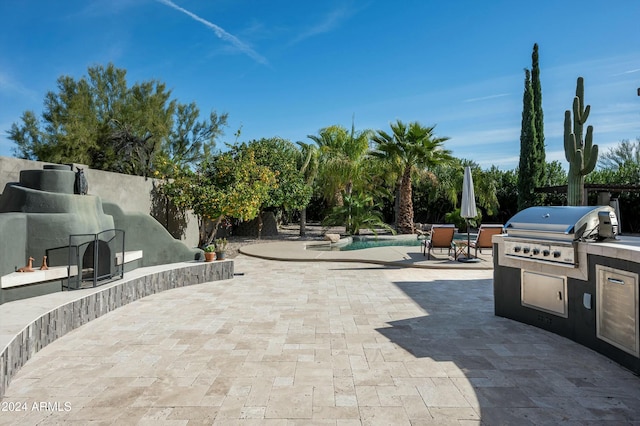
column 567, row 223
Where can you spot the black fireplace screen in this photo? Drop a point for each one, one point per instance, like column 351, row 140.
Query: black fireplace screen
column 95, row 258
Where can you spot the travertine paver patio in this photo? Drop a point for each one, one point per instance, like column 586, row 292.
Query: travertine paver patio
column 321, row 343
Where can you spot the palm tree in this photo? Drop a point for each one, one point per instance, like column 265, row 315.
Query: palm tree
column 341, row 155
column 309, row 170
column 359, row 212
column 410, row 147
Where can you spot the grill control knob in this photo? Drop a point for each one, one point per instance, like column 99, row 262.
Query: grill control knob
column 526, row 250
column 517, row 249
column 556, row 254
column 536, row 251
column 546, row 252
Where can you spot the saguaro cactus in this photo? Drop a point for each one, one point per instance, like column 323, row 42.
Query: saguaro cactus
column 581, row 154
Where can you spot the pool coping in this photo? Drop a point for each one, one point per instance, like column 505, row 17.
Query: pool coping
column 396, row 256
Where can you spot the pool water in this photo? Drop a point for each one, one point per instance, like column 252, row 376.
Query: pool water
column 364, row 244
column 368, row 243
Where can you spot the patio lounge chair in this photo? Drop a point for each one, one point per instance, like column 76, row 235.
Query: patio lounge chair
column 441, row 237
column 483, row 240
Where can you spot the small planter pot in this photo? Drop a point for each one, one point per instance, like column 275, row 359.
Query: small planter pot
column 220, row 255
column 209, row 256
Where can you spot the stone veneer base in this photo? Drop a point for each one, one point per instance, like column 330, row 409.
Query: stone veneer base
column 71, row 315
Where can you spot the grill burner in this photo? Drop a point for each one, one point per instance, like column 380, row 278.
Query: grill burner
column 550, row 233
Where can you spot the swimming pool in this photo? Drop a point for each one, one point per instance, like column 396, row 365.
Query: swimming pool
column 359, row 243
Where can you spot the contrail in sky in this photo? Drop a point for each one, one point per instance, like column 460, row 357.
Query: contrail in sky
column 331, row 21
column 631, row 71
column 484, row 98
column 222, row 34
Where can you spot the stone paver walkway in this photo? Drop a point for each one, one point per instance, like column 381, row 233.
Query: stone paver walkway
column 320, row 343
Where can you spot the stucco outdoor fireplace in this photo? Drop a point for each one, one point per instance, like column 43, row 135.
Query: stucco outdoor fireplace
column 83, row 239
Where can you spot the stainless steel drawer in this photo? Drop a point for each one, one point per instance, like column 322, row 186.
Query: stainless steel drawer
column 617, row 308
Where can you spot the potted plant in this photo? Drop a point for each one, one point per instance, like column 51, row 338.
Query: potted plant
column 220, row 247
column 209, row 253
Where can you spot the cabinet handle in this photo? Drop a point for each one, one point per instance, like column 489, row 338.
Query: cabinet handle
column 615, row 281
column 559, row 295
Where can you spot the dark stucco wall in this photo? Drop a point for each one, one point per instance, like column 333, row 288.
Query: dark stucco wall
column 130, row 193
column 142, row 232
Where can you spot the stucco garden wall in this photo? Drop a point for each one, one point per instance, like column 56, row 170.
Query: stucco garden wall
column 130, row 193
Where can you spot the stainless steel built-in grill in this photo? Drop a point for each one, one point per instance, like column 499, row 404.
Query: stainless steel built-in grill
column 559, row 269
column 550, row 233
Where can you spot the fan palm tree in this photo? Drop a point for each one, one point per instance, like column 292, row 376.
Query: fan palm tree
column 309, row 170
column 410, row 147
column 359, row 212
column 341, row 155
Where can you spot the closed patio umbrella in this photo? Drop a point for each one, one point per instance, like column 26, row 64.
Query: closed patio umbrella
column 468, row 208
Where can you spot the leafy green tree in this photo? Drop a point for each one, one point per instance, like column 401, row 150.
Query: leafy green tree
column 342, row 154
column 358, row 212
column 53, row 142
column 485, row 188
column 409, row 147
column 27, row 137
column 291, row 192
column 620, row 165
column 617, row 157
column 101, row 121
column 527, row 181
column 445, row 191
column 460, row 222
column 282, row 157
column 555, row 175
column 230, row 184
column 132, row 140
column 192, row 139
column 435, row 194
column 506, row 193
column 382, row 181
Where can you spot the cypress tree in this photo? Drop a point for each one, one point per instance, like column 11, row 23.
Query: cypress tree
column 540, row 159
column 526, row 172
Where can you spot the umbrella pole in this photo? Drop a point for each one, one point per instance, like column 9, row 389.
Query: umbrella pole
column 468, row 259
column 468, row 241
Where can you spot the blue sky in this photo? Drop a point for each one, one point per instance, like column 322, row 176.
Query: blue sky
column 289, row 68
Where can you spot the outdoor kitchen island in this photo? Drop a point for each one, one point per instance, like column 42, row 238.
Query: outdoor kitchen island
column 547, row 275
